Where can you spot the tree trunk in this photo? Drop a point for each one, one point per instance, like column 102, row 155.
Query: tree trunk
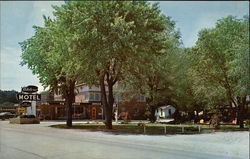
column 108, row 109
column 241, row 102
column 192, row 116
column 151, row 107
column 152, row 117
column 108, row 118
column 177, row 115
column 111, row 102
column 69, row 101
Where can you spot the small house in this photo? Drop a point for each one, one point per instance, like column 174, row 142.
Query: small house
column 164, row 112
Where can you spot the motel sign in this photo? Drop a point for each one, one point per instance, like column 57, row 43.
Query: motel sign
column 30, row 97
column 30, row 89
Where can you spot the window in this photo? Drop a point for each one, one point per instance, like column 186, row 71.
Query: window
column 97, row 97
column 169, row 111
column 87, row 96
column 140, row 98
column 94, row 97
column 91, row 96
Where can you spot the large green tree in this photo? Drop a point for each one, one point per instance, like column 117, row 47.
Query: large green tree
column 112, row 38
column 220, row 64
column 48, row 55
column 183, row 97
column 154, row 79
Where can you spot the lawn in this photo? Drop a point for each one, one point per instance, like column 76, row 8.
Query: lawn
column 152, row 128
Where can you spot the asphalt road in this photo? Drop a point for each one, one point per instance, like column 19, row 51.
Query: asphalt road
column 42, row 142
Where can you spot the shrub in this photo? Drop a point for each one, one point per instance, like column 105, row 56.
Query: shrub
column 141, row 124
column 246, row 122
column 215, row 121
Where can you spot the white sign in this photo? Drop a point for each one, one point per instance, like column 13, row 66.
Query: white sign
column 31, row 97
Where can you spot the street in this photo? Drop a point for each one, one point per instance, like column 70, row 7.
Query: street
column 38, row 141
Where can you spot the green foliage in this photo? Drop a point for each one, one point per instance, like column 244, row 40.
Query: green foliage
column 114, row 37
column 133, row 43
column 97, row 41
column 152, row 72
column 47, row 55
column 183, row 95
column 219, row 61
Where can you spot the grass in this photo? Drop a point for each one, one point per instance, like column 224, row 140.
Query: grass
column 152, row 129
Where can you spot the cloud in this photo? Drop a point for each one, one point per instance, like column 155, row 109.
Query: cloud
column 40, row 8
column 192, row 16
column 17, row 26
column 207, row 20
column 44, row 8
column 13, row 75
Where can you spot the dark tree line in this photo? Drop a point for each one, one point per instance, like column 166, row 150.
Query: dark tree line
column 8, row 97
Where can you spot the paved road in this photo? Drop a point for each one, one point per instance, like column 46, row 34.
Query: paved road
column 42, row 142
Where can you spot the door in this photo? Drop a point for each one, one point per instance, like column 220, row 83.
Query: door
column 93, row 113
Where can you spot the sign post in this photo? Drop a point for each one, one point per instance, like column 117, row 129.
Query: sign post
column 116, row 112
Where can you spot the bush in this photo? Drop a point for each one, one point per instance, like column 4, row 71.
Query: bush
column 215, row 121
column 141, row 124
column 246, row 122
column 147, row 114
column 174, row 122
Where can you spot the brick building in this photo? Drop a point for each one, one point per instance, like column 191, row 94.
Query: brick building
column 88, row 105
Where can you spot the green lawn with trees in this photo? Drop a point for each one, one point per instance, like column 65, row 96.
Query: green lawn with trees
column 152, row 128
column 135, row 45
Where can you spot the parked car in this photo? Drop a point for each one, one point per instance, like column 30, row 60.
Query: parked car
column 6, row 115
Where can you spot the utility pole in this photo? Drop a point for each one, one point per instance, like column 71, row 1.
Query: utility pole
column 116, row 114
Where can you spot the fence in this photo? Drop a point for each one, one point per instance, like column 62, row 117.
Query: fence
column 171, row 129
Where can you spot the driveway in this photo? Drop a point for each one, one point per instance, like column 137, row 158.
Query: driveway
column 38, row 141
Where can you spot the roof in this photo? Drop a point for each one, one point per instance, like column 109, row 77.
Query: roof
column 165, row 106
column 85, row 84
column 81, row 84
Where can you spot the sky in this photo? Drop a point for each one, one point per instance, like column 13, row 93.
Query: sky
column 18, row 17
